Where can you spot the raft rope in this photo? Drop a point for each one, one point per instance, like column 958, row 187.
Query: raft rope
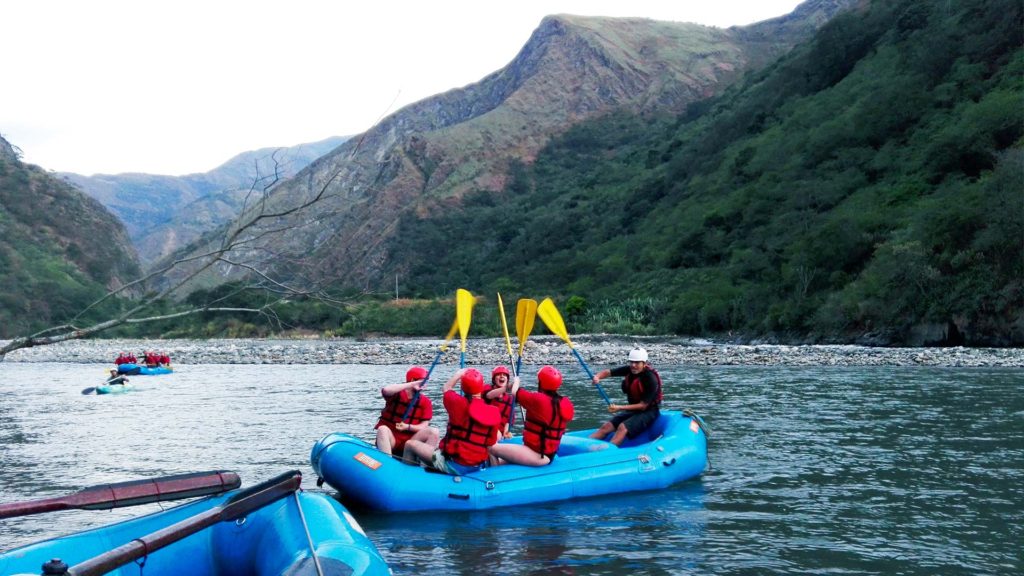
column 141, row 562
column 309, row 538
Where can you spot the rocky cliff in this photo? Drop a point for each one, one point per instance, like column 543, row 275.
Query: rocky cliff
column 427, row 156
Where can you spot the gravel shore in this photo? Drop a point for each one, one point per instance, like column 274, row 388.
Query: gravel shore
column 599, row 350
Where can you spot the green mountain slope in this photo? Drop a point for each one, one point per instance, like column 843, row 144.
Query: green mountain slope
column 425, row 158
column 867, row 187
column 59, row 249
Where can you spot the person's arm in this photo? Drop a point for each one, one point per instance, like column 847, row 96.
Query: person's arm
column 494, row 394
column 450, row 384
column 392, row 389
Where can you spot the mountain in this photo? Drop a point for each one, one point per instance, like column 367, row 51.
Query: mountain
column 866, row 187
column 164, row 213
column 426, row 158
column 60, row 250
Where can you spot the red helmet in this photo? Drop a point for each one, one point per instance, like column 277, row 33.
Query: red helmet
column 415, row 373
column 472, row 381
column 499, row 370
column 549, row 378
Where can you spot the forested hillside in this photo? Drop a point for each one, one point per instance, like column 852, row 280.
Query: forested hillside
column 866, row 187
column 59, row 249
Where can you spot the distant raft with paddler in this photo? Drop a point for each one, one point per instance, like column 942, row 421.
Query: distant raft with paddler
column 139, row 370
column 269, row 529
column 672, row 450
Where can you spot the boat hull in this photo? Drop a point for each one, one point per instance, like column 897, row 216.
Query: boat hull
column 672, row 450
column 137, row 370
column 269, row 541
column 114, row 388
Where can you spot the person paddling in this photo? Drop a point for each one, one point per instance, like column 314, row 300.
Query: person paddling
column 498, row 395
column 642, row 386
column 547, row 415
column 116, row 378
column 398, row 422
column 472, row 428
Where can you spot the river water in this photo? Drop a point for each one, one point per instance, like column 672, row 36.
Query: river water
column 813, row 470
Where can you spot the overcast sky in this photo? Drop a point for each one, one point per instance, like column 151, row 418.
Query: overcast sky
column 179, row 87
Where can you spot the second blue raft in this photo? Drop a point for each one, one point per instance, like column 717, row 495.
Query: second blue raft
column 673, row 449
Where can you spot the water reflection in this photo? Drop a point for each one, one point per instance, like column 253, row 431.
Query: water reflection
column 627, row 533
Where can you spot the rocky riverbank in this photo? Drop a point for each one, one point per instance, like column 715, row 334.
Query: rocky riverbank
column 598, row 350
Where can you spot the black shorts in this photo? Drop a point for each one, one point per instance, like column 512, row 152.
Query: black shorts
column 636, row 422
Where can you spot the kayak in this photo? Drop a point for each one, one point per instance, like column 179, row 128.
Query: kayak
column 137, row 370
column 672, row 450
column 114, row 388
column 267, row 529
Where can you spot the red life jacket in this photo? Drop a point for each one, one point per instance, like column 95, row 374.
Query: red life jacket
column 633, row 388
column 502, row 403
column 545, row 425
column 469, row 434
column 395, row 407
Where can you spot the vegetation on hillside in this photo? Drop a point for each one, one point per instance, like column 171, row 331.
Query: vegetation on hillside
column 59, row 250
column 868, row 182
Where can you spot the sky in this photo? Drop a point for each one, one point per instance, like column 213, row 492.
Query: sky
column 162, row 87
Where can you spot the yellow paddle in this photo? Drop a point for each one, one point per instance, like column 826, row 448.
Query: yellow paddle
column 553, row 320
column 526, row 314
column 464, row 302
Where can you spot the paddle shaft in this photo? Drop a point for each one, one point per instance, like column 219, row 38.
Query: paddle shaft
column 416, row 395
column 239, row 505
column 130, row 493
column 591, row 374
column 444, row 348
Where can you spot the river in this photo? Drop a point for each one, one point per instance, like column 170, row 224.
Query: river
column 813, row 470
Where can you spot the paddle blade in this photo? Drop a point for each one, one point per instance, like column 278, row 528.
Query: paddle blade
column 130, row 493
column 451, row 334
column 504, row 325
column 463, row 313
column 526, row 315
column 553, row 320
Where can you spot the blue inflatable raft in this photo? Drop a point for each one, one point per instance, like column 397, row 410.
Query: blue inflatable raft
column 673, row 449
column 137, row 370
column 266, row 530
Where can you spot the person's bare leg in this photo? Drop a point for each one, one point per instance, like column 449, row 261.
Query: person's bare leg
column 603, row 431
column 518, row 454
column 385, row 439
column 620, row 435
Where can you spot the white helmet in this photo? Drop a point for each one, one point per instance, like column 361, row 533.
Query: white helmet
column 638, row 355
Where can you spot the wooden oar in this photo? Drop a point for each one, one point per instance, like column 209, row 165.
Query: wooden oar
column 130, row 493
column 437, row 358
column 239, row 505
column 464, row 302
column 526, row 315
column 553, row 320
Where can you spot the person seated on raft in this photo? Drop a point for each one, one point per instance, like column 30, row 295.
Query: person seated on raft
column 497, row 395
column 116, row 378
column 472, row 428
column 164, row 360
column 122, row 358
column 405, row 412
column 151, row 359
column 547, row 415
column 642, row 386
